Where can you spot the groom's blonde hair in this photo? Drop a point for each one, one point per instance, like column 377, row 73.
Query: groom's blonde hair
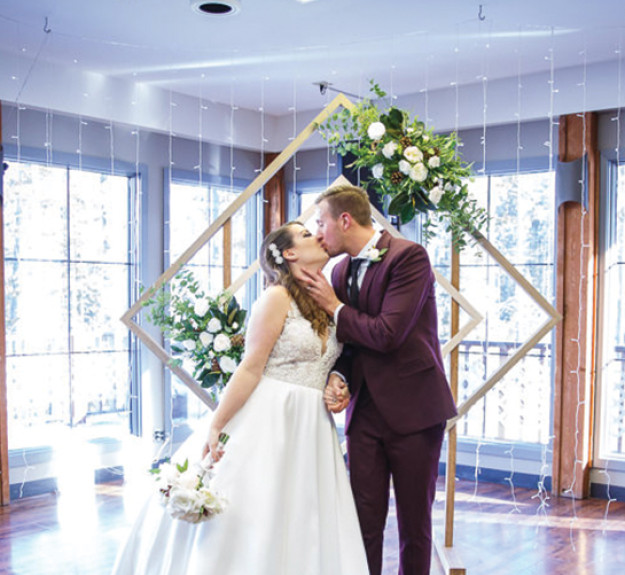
column 350, row 199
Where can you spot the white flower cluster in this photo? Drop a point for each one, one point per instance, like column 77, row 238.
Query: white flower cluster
column 275, row 252
column 187, row 494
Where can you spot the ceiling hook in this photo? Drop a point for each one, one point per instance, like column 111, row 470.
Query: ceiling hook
column 46, row 28
column 480, row 15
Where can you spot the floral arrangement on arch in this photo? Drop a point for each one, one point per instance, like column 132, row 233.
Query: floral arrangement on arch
column 412, row 169
column 208, row 331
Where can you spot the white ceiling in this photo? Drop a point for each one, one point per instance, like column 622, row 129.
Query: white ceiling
column 272, row 52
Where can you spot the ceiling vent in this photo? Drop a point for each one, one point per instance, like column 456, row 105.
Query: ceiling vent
column 219, row 8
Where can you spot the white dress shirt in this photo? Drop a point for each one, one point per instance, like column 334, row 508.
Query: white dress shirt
column 364, row 266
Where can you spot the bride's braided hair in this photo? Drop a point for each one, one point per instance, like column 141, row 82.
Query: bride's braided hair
column 277, row 272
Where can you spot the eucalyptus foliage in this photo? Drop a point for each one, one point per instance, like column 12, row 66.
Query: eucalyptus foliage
column 413, row 170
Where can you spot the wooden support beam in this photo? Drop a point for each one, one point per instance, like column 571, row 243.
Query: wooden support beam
column 449, row 558
column 5, row 492
column 275, row 199
column 576, row 295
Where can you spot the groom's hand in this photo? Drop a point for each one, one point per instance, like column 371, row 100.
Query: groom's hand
column 336, row 394
column 321, row 291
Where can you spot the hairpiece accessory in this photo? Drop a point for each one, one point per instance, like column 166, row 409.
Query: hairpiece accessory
column 275, row 252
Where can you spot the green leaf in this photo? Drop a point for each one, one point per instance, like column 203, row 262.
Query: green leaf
column 406, row 213
column 396, row 204
column 209, row 379
column 396, row 119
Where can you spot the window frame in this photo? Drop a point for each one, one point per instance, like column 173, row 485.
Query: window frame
column 252, row 288
column 609, row 191
column 70, row 162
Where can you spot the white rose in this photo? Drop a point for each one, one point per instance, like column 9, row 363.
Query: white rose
column 183, row 504
column 418, row 173
column 434, row 162
column 373, row 254
column 389, row 149
column 206, row 338
column 436, row 194
column 188, row 479
column 376, row 130
column 413, row 154
column 210, row 501
column 189, row 344
column 201, row 307
column 214, row 325
column 377, row 171
column 221, row 342
column 426, row 138
column 227, row 364
column 404, row 167
column 235, row 325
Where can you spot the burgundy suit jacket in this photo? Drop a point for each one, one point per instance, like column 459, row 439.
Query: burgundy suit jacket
column 391, row 341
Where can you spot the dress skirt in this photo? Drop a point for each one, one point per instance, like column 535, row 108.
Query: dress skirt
column 289, row 510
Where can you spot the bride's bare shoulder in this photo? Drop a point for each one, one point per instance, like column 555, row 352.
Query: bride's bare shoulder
column 275, row 299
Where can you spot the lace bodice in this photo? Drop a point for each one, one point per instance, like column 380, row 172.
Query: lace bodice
column 298, row 357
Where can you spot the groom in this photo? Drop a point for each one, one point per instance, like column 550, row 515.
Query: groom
column 384, row 308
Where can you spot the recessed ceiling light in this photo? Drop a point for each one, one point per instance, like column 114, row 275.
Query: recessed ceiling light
column 217, row 8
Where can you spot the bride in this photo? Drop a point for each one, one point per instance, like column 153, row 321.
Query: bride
column 290, row 509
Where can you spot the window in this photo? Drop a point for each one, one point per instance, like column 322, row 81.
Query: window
column 69, row 273
column 522, row 229
column 611, row 402
column 192, row 207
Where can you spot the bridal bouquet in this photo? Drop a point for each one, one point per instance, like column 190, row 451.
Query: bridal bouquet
column 205, row 330
column 412, row 169
column 186, row 492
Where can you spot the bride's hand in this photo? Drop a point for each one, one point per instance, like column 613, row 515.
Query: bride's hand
column 336, row 394
column 213, row 445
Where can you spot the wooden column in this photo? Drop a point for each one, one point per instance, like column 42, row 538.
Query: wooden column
column 450, row 472
column 275, row 198
column 5, row 493
column 450, row 560
column 576, row 293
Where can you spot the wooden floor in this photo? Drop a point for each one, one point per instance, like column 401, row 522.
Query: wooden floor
column 496, row 532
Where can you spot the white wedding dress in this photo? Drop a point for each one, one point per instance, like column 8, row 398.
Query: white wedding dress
column 290, row 509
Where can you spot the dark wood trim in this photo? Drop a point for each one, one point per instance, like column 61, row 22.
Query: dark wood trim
column 5, row 495
column 275, row 198
column 576, row 298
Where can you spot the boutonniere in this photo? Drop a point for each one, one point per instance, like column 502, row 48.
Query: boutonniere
column 373, row 254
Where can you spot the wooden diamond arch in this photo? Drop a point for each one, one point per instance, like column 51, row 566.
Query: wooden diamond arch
column 450, row 561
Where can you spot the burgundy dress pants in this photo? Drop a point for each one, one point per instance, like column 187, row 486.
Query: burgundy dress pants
column 376, row 454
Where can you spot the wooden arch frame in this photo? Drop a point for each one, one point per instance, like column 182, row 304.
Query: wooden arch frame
column 450, row 561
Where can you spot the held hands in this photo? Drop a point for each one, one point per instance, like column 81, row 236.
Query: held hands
column 336, row 394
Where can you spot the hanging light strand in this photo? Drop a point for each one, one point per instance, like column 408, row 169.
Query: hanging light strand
column 293, row 110
column 577, row 340
column 617, row 120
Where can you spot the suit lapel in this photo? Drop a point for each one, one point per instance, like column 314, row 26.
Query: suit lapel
column 340, row 274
